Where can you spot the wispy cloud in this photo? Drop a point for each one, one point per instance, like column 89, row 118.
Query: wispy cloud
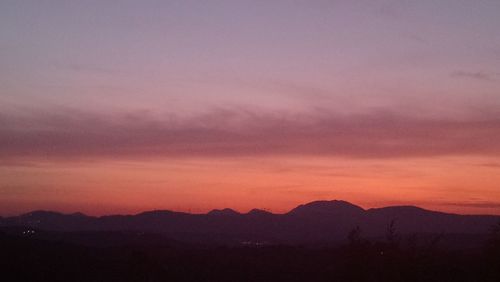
column 486, row 76
column 476, row 204
column 490, row 165
column 91, row 68
column 223, row 133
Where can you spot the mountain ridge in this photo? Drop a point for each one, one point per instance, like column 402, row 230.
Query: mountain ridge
column 317, row 221
column 335, row 201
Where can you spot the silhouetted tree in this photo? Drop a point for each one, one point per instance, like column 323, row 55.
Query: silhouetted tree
column 354, row 236
column 493, row 244
column 392, row 236
column 491, row 267
column 495, row 231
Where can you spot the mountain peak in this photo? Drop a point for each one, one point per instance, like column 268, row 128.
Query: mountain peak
column 41, row 213
column 401, row 210
column 258, row 212
column 326, row 207
column 78, row 214
column 157, row 213
column 225, row 211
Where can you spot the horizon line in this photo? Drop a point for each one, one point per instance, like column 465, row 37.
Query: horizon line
column 236, row 212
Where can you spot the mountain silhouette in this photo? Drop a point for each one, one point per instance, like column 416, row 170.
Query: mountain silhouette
column 223, row 212
column 318, row 221
column 259, row 212
column 326, row 208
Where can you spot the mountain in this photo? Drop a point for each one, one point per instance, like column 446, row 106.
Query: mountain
column 326, row 208
column 410, row 219
column 258, row 212
column 226, row 212
column 319, row 221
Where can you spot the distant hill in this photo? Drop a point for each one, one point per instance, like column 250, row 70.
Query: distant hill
column 315, row 222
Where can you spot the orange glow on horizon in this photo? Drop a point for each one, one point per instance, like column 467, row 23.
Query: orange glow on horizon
column 451, row 184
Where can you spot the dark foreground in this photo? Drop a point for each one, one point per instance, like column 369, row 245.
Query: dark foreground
column 413, row 258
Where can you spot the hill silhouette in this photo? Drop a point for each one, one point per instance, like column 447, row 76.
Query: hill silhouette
column 315, row 222
column 327, row 208
column 317, row 241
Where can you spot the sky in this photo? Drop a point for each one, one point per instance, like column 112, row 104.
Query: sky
column 123, row 106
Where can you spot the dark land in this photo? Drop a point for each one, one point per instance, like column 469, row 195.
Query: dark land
column 319, row 241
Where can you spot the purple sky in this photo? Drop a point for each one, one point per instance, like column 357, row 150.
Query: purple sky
column 190, row 56
column 164, row 82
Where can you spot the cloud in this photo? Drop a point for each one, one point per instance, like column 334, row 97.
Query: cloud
column 226, row 133
column 486, row 76
column 478, row 204
column 490, row 165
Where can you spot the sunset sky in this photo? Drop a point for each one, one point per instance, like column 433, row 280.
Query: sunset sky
column 124, row 106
